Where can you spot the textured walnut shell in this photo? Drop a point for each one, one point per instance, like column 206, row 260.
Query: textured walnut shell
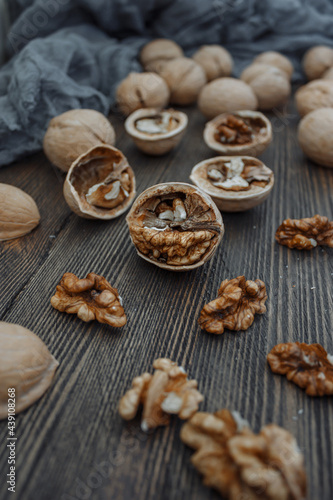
column 317, row 60
column 156, row 144
column 25, row 365
column 232, row 201
column 315, row 132
column 259, row 142
column 328, row 75
column 92, row 169
column 215, row 60
column 159, row 50
column 142, row 90
column 269, row 83
column 276, row 59
column 225, row 95
column 71, row 134
column 314, row 95
column 204, row 218
column 18, row 213
column 185, row 79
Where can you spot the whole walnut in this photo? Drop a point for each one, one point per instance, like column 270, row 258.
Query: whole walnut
column 225, row 95
column 74, row 132
column 314, row 95
column 269, row 83
column 317, row 60
column 276, row 59
column 157, row 51
column 315, row 133
column 142, row 90
column 215, row 60
column 185, row 79
column 328, row 75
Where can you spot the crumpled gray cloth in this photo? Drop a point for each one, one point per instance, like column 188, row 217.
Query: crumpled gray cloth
column 72, row 53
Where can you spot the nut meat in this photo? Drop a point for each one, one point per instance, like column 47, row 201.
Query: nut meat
column 168, row 391
column 305, row 234
column 241, row 464
column 175, row 226
column 307, row 365
column 90, row 298
column 237, row 303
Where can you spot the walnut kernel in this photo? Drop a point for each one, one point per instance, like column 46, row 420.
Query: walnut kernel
column 305, row 234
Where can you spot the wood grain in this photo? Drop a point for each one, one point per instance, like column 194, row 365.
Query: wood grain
column 72, row 444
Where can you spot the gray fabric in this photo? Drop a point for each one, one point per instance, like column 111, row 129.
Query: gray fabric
column 72, row 53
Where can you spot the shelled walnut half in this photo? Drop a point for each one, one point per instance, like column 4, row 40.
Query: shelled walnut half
column 167, row 392
column 235, row 183
column 100, row 184
column 90, row 298
column 307, row 365
column 242, row 465
column 175, row 226
column 237, row 303
column 239, row 133
column 305, row 234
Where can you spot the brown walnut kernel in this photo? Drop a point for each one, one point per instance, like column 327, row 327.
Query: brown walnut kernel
column 242, row 465
column 305, row 234
column 237, row 303
column 307, row 365
column 90, row 298
column 238, row 174
column 168, row 391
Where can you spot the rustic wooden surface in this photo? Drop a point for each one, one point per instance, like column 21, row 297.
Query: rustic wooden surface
column 72, row 444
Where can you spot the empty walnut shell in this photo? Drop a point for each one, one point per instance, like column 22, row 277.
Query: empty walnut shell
column 314, row 95
column 276, row 59
column 157, row 51
column 71, row 134
column 175, row 226
column 315, row 133
column 100, row 184
column 142, row 90
column 317, row 60
column 156, row 132
column 26, row 365
column 235, row 183
column 215, row 60
column 225, row 95
column 239, row 133
column 270, row 84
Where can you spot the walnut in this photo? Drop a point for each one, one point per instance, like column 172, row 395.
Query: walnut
column 276, row 59
column 159, row 51
column 225, row 95
column 243, row 465
column 317, row 60
column 215, row 60
column 314, row 95
column 315, row 133
column 307, row 365
column 237, row 303
column 235, row 183
column 175, row 226
column 142, row 90
column 90, row 298
column 328, row 75
column 167, row 392
column 305, row 234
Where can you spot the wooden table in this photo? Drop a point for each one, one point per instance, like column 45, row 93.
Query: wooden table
column 72, row 444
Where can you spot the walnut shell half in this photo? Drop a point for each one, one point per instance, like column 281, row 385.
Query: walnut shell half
column 175, row 226
column 235, row 183
column 156, row 132
column 100, row 184
column 239, row 133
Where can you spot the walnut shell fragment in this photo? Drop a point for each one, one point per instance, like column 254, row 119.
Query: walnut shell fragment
column 100, row 184
column 307, row 365
column 26, row 365
column 239, row 133
column 167, row 392
column 19, row 214
column 175, row 226
column 235, row 183
column 156, row 132
column 237, row 303
column 242, row 465
column 305, row 234
column 90, row 298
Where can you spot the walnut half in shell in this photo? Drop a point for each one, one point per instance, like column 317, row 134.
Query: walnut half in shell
column 100, row 184
column 239, row 133
column 235, row 183
column 175, row 226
